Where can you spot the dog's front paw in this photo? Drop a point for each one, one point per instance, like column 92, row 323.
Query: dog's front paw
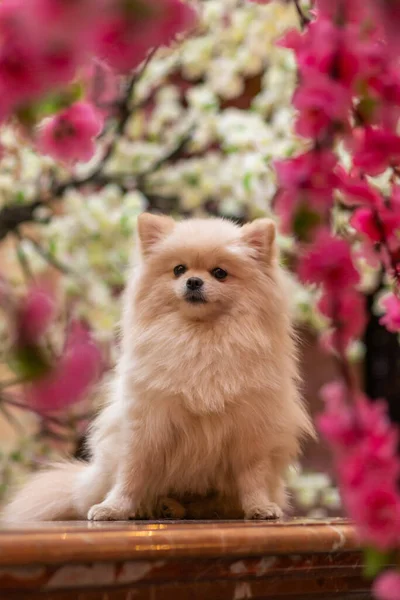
column 268, row 511
column 168, row 508
column 108, row 512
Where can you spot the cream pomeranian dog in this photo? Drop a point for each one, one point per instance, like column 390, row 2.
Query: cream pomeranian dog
column 205, row 395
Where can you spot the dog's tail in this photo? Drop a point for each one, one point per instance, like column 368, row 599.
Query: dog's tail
column 48, row 495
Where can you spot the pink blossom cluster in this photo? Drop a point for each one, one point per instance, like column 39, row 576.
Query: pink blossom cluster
column 365, row 445
column 47, row 44
column 53, row 382
column 349, row 92
column 69, row 136
column 328, row 262
column 387, row 586
column 71, row 376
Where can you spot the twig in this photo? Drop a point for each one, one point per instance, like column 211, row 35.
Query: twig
column 44, row 416
column 49, row 258
column 172, row 154
column 341, row 359
column 11, row 383
column 125, row 107
column 11, row 419
column 22, row 258
column 60, row 437
column 304, row 20
column 33, row 410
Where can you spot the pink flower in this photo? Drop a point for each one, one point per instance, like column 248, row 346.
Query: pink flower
column 124, row 38
column 20, row 76
column 61, row 14
column 384, row 89
column 311, row 171
column 315, row 47
column 69, row 135
column 337, row 423
column 376, row 511
column 364, row 221
column 391, row 318
column 347, row 426
column 32, row 58
column 379, row 454
column 320, row 101
column 389, row 216
column 378, row 221
column 102, row 86
column 368, row 253
column 305, row 180
column 380, row 227
column 356, row 190
column 365, row 444
column 331, row 50
column 354, row 11
column 375, row 149
column 70, row 379
column 347, row 313
column 34, row 315
column 387, row 586
column 388, row 11
column 328, row 262
column 120, row 43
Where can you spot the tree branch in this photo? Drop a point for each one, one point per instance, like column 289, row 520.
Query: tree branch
column 172, row 154
column 13, row 215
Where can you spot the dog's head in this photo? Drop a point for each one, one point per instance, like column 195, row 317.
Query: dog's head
column 204, row 267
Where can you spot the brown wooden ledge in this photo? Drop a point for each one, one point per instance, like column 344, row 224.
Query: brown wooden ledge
column 297, row 559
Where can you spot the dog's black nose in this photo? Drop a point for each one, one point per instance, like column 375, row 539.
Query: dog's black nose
column 194, row 283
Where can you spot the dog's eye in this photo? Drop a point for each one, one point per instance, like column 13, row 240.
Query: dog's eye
column 219, row 274
column 179, row 270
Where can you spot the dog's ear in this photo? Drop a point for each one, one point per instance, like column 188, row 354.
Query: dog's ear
column 260, row 235
column 152, row 229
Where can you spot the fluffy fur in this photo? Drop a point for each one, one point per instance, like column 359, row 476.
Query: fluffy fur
column 205, row 396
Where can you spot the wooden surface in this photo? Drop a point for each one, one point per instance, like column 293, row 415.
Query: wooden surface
column 298, row 559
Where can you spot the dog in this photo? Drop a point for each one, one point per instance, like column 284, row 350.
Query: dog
column 205, row 397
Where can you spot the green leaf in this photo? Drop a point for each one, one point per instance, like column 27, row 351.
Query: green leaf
column 59, row 100
column 290, row 151
column 375, row 561
column 27, row 115
column 126, row 226
column 52, row 247
column 20, row 197
column 29, row 362
column 247, row 181
column 16, row 456
column 30, row 114
column 191, row 179
column 366, row 109
column 305, row 220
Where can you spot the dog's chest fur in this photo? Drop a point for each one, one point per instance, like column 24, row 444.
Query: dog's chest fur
column 206, row 369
